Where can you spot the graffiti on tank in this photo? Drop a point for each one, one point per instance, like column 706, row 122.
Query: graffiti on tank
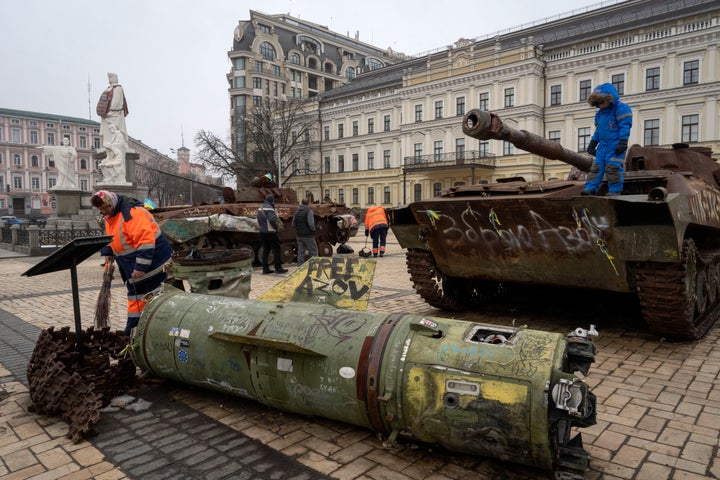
column 704, row 207
column 487, row 234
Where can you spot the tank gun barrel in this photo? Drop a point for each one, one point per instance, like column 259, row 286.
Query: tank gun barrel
column 488, row 126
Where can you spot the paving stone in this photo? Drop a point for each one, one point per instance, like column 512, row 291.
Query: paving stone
column 658, row 407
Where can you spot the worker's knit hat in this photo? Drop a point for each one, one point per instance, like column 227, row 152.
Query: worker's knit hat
column 104, row 197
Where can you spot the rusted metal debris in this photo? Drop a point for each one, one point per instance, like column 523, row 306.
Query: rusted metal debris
column 63, row 382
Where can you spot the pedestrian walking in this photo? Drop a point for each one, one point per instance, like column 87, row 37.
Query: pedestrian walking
column 270, row 224
column 304, row 223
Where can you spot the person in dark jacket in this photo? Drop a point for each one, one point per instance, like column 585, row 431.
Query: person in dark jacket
column 138, row 247
column 613, row 121
column 269, row 224
column 304, row 223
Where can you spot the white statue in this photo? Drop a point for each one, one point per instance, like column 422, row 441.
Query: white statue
column 112, row 108
column 65, row 158
column 113, row 166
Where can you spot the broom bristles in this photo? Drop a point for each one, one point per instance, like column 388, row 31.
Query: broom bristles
column 102, row 306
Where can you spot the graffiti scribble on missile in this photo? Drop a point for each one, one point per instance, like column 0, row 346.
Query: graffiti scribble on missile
column 341, row 326
column 531, row 352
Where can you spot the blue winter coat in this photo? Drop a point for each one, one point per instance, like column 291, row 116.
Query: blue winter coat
column 612, row 123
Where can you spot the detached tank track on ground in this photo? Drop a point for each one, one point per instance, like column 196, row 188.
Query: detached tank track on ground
column 62, row 383
column 681, row 300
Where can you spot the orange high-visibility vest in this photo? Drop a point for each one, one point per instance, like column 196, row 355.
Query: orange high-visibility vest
column 374, row 217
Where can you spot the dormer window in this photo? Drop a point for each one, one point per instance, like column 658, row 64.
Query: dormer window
column 309, row 44
column 373, row 63
column 267, row 51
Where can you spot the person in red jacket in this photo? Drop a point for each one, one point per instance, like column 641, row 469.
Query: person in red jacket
column 376, row 225
column 138, row 247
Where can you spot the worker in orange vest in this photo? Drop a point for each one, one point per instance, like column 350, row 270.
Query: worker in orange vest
column 376, row 225
column 138, row 247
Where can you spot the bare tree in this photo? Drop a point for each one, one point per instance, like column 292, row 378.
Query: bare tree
column 171, row 188
column 162, row 185
column 221, row 159
column 271, row 132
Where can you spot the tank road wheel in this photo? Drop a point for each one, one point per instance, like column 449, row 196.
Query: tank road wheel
column 675, row 298
column 271, row 257
column 325, row 249
column 288, row 252
column 431, row 284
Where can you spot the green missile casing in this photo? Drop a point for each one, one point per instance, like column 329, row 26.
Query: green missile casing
column 509, row 393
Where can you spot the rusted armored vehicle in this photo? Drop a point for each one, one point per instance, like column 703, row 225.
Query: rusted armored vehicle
column 232, row 224
column 659, row 240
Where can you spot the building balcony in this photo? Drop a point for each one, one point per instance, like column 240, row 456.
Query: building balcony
column 438, row 161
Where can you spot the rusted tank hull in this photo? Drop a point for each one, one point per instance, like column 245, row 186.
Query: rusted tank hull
column 508, row 393
column 575, row 242
column 233, row 226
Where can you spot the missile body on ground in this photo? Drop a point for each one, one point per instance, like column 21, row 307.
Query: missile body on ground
column 503, row 392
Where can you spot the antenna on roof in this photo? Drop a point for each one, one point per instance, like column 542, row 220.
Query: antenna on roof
column 89, row 104
column 182, row 136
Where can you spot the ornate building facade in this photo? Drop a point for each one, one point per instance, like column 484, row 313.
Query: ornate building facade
column 393, row 134
column 28, row 176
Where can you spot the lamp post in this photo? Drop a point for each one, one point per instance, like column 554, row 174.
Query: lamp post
column 279, row 167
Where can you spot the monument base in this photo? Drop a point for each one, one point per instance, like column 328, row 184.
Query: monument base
column 67, row 202
column 126, row 189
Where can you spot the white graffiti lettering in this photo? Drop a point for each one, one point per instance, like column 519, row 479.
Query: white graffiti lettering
column 536, row 234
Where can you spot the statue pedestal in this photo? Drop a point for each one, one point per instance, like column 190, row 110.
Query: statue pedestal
column 129, row 187
column 128, row 190
column 130, row 158
column 67, row 202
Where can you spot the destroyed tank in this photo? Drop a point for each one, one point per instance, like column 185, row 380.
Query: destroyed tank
column 232, row 224
column 658, row 241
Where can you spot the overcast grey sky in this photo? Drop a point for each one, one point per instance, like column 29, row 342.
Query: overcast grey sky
column 171, row 55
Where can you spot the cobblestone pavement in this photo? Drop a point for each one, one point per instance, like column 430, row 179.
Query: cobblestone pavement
column 658, row 402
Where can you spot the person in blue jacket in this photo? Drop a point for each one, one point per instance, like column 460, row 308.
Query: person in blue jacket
column 613, row 121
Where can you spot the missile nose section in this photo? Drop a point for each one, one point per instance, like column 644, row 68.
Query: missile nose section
column 504, row 392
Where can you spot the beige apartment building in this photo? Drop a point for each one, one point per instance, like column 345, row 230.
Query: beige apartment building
column 390, row 126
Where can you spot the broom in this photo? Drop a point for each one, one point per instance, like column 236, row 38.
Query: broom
column 102, row 306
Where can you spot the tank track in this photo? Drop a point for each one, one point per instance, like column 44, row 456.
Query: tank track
column 75, row 387
column 680, row 300
column 428, row 280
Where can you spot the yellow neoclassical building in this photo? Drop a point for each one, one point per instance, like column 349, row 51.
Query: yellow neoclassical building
column 389, row 126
